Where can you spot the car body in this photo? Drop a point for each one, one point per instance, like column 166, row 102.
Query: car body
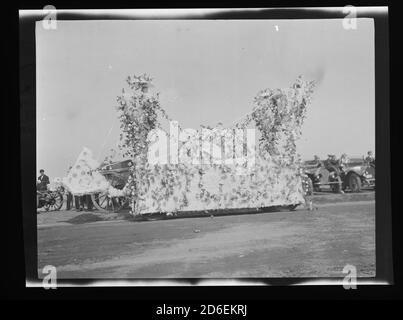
column 358, row 173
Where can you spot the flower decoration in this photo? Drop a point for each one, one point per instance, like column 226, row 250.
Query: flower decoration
column 277, row 113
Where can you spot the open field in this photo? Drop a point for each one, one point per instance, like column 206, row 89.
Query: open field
column 299, row 243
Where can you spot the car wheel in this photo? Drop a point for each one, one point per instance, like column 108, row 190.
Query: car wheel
column 354, row 182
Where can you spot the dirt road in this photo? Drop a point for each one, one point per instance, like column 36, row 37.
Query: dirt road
column 299, row 243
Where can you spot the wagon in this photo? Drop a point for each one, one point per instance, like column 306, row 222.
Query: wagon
column 50, row 199
column 117, row 173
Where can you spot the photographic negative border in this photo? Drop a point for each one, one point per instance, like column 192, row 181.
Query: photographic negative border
column 384, row 257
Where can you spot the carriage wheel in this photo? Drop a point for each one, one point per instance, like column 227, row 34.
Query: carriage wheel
column 292, row 207
column 55, row 202
column 108, row 204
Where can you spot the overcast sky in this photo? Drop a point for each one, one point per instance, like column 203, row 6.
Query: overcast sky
column 206, row 71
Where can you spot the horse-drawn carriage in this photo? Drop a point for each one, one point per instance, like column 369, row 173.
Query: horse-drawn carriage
column 117, row 173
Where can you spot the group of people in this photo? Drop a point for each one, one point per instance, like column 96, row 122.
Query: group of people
column 343, row 160
column 81, row 203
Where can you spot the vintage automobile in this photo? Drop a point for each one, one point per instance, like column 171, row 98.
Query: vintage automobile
column 358, row 173
column 352, row 176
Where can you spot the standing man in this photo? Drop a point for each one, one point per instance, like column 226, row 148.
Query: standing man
column 69, row 202
column 43, row 181
column 41, row 185
column 79, row 202
column 318, row 165
column 370, row 158
column 333, row 166
column 83, row 203
column 317, row 162
column 88, row 202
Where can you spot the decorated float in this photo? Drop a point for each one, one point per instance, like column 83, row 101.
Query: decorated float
column 253, row 164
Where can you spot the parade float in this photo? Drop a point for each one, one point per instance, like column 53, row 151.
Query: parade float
column 253, row 164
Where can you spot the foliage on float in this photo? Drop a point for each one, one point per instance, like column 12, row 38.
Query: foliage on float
column 278, row 114
column 137, row 112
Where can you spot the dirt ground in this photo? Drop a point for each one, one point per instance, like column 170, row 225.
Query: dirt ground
column 302, row 243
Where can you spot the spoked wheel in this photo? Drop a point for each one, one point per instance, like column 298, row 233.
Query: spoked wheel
column 55, row 202
column 103, row 202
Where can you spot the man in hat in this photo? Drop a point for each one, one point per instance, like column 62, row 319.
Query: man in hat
column 317, row 162
column 331, row 160
column 333, row 165
column 41, row 185
column 43, row 181
column 370, row 158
